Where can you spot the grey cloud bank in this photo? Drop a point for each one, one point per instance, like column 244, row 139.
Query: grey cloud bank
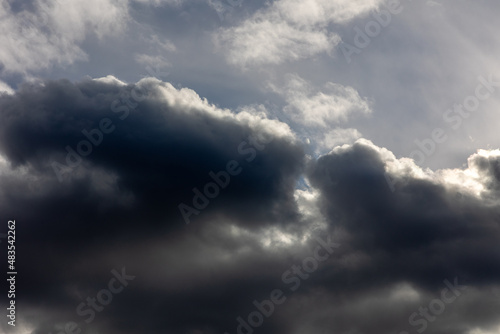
column 387, row 236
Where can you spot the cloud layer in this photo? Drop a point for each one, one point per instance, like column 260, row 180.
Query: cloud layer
column 401, row 232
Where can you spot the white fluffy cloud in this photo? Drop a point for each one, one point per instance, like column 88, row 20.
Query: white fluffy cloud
column 289, row 30
column 321, row 108
column 480, row 178
column 4, row 88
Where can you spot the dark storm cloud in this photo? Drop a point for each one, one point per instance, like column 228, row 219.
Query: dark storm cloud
column 163, row 143
column 421, row 217
column 153, row 150
column 423, row 232
column 117, row 209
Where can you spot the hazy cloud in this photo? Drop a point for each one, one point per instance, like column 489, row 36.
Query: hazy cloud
column 288, row 30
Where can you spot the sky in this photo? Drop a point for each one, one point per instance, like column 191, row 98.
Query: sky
column 250, row 167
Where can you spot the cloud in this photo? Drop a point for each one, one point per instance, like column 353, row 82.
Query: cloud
column 288, row 30
column 265, row 41
column 159, row 3
column 50, row 32
column 427, row 213
column 118, row 209
column 337, row 137
column 312, row 12
column 94, row 171
column 311, row 107
column 132, row 181
column 434, row 225
column 175, row 129
column 4, row 88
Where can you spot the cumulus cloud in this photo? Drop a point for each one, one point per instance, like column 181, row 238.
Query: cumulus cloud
column 180, row 129
column 321, row 108
column 400, row 232
column 337, row 137
column 288, row 30
column 412, row 226
column 392, row 205
column 170, row 135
